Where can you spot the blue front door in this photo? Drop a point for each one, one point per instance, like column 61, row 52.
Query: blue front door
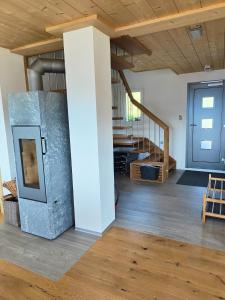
column 206, row 126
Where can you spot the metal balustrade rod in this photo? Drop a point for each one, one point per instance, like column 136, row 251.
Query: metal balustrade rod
column 159, row 150
column 143, row 135
column 149, row 139
column 155, row 140
column 119, row 98
column 138, row 134
column 132, row 119
column 121, row 103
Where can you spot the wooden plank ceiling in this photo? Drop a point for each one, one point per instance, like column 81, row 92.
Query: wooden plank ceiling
column 24, row 21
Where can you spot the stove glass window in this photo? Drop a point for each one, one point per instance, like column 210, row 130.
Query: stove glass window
column 29, row 163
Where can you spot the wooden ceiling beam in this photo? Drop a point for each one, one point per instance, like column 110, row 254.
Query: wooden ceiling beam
column 182, row 19
column 173, row 21
column 93, row 20
column 40, row 47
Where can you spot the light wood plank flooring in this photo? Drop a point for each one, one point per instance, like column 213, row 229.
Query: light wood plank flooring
column 127, row 265
column 1, row 218
column 168, row 210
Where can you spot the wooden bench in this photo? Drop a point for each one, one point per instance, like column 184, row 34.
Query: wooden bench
column 135, row 172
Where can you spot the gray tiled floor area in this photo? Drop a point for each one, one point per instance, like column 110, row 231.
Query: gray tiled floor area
column 48, row 258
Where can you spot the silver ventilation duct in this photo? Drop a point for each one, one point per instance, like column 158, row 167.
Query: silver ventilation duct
column 41, row 66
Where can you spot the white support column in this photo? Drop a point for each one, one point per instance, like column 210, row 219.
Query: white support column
column 12, row 79
column 88, row 79
column 4, row 152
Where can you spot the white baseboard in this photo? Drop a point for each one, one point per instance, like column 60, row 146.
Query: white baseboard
column 98, row 234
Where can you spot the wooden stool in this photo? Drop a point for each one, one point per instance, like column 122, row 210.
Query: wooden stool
column 214, row 199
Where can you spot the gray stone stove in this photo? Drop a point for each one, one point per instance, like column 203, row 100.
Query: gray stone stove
column 40, row 130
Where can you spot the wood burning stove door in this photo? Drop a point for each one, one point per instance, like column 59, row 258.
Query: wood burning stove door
column 28, row 145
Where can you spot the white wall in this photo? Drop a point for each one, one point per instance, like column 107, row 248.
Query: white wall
column 88, row 80
column 12, row 79
column 165, row 94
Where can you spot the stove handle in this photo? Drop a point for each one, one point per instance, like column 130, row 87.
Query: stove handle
column 44, row 146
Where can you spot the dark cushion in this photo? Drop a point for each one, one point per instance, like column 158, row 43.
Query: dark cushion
column 149, row 172
column 131, row 157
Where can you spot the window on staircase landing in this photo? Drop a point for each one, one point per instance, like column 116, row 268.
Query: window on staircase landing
column 132, row 112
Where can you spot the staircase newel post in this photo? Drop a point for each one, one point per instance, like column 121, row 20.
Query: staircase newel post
column 166, row 150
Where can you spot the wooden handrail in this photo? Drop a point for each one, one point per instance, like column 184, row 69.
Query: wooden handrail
column 144, row 109
column 152, row 116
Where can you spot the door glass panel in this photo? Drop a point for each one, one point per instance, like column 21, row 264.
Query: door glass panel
column 207, row 102
column 207, row 123
column 29, row 163
column 206, row 145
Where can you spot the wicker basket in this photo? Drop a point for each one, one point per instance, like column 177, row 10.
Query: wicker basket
column 11, row 210
column 11, row 186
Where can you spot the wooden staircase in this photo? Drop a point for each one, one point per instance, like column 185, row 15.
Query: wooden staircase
column 145, row 133
column 148, row 135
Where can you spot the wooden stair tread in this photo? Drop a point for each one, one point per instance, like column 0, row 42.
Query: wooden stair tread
column 115, row 80
column 117, row 118
column 122, row 136
column 144, row 150
column 156, row 157
column 121, row 127
column 120, row 63
column 124, row 142
column 58, row 91
column 147, row 161
column 131, row 45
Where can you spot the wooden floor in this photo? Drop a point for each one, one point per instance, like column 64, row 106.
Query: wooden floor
column 1, row 218
column 168, row 210
column 126, row 265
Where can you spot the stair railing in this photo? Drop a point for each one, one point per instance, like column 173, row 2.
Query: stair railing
column 154, row 118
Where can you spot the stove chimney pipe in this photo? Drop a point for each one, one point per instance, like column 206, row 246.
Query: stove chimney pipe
column 41, row 66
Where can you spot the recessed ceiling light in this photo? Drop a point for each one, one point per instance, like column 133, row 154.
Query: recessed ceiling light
column 196, row 32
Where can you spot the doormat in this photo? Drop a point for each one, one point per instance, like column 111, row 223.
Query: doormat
column 197, row 178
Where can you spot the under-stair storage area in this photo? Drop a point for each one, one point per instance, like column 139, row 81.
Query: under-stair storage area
column 123, row 157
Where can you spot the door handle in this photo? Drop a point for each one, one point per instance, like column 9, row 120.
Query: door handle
column 193, row 125
column 44, row 146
